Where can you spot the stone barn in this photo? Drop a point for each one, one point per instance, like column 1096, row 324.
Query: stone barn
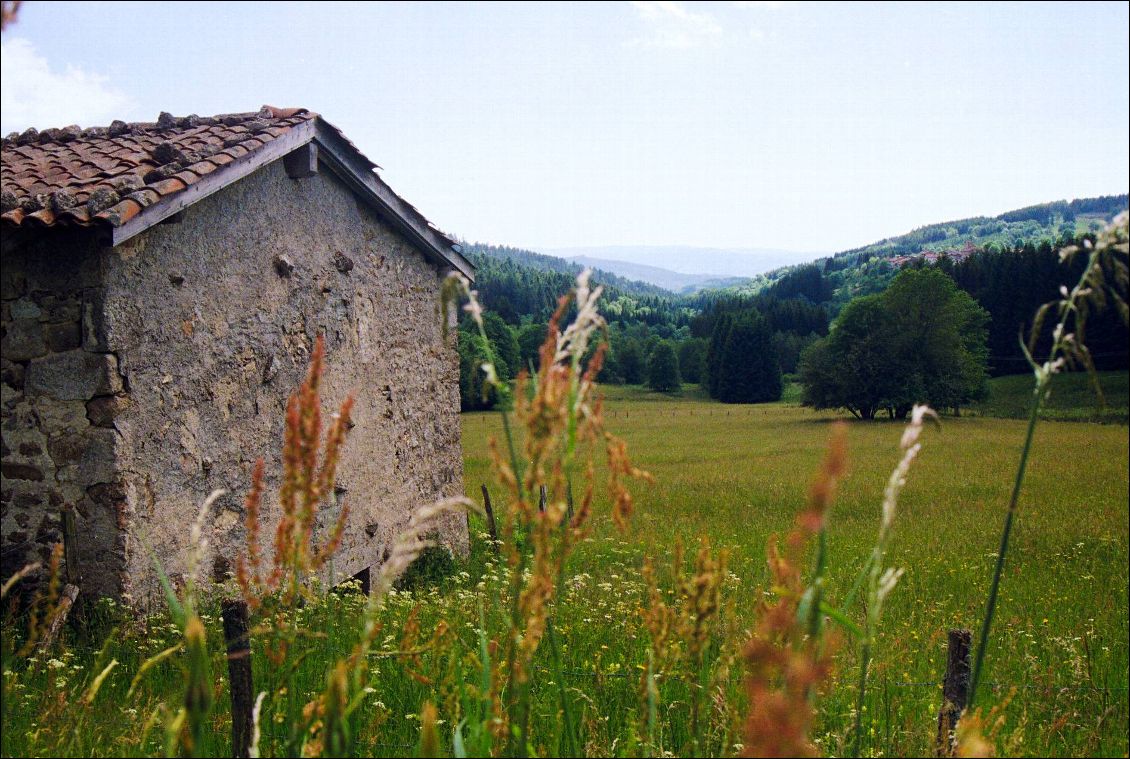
column 163, row 285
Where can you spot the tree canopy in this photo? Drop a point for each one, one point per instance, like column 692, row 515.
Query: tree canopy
column 663, row 368
column 921, row 340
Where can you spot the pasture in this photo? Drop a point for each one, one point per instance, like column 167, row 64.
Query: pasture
column 1057, row 665
column 738, row 474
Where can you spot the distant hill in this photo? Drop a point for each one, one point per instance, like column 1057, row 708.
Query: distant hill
column 868, row 269
column 1050, row 221
column 674, row 281
column 544, row 263
column 716, row 263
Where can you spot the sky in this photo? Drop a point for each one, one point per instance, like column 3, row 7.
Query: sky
column 797, row 126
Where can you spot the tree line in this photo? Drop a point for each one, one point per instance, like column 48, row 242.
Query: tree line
column 930, row 332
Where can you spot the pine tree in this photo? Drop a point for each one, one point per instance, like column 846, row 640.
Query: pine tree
column 749, row 369
column 718, row 338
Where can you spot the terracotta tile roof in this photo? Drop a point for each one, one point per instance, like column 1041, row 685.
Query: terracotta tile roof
column 107, row 175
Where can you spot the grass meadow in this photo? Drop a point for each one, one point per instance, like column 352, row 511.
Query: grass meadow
column 736, row 475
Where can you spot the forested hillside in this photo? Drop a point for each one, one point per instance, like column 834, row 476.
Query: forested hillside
column 1008, row 264
column 869, row 269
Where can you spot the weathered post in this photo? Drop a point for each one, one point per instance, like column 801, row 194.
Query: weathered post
column 955, row 689
column 541, row 499
column 66, row 601
column 569, row 500
column 490, row 519
column 238, row 638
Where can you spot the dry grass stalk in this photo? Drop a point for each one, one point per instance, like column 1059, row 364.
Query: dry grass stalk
column 978, row 733
column 1105, row 281
column 785, row 665
column 306, row 486
column 45, row 605
column 563, row 422
column 679, row 635
column 23, row 572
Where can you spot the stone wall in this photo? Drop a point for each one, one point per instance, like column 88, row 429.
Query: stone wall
column 212, row 320
column 138, row 379
column 60, row 392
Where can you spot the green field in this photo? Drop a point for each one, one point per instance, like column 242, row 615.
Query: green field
column 736, row 474
column 1073, row 398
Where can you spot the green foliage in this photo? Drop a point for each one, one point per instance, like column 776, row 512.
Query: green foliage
column 1011, row 283
column 692, row 358
column 507, row 353
column 938, row 342
column 434, row 565
column 921, row 341
column 808, row 282
column 715, row 350
column 746, row 370
column 474, row 393
column 867, row 270
column 663, row 369
column 530, row 338
column 630, row 360
column 790, row 346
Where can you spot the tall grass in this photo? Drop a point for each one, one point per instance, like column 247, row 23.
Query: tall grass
column 590, row 632
column 1103, row 283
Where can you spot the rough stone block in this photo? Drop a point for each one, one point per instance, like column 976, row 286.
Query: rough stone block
column 103, row 410
column 13, row 283
column 63, row 336
column 25, row 309
column 23, row 340
column 93, row 323
column 16, row 471
column 67, row 449
column 99, row 458
column 30, row 448
column 59, row 417
column 11, row 374
column 66, row 307
column 74, row 375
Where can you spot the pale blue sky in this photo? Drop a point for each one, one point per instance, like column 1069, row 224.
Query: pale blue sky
column 776, row 125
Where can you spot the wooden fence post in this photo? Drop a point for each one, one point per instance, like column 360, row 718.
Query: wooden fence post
column 569, row 500
column 238, row 638
column 70, row 546
column 70, row 588
column 490, row 519
column 541, row 499
column 66, row 601
column 955, row 689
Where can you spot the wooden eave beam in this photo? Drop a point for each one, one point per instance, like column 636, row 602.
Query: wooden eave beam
column 326, row 146
column 356, row 171
column 297, row 136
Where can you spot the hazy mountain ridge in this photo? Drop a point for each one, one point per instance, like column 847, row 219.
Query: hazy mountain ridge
column 694, row 260
column 676, row 282
column 544, row 263
column 676, row 270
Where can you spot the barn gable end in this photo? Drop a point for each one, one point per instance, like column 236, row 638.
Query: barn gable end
column 192, row 335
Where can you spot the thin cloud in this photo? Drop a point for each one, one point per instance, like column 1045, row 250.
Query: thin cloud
column 32, row 94
column 756, row 33
column 670, row 25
